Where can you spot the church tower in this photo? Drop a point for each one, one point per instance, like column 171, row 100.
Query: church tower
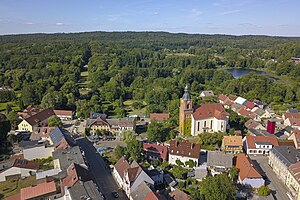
column 185, row 112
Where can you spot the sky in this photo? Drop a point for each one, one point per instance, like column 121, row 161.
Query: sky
column 235, row 17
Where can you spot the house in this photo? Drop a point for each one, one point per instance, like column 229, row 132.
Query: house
column 232, row 144
column 281, row 158
column 76, row 174
column 39, row 119
column 17, row 167
column 201, row 172
column 178, row 195
column 240, row 100
column 244, row 112
column 98, row 124
column 295, row 136
column 95, row 115
column 41, row 133
column 260, row 112
column 130, row 176
column 155, row 152
column 249, row 105
column 259, row 145
column 39, row 191
column 156, row 175
column 61, row 139
column 293, row 122
column 207, row 93
column 44, row 176
column 235, row 107
column 64, row 114
column 142, row 192
column 291, row 115
column 170, row 181
column 260, row 104
column 222, row 98
column 293, row 180
column 209, row 118
column 232, row 97
column 184, row 151
column 270, row 112
column 219, row 162
column 159, row 116
column 248, row 174
column 29, row 111
column 251, row 124
column 63, row 158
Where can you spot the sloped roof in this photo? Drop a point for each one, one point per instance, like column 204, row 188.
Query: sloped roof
column 251, row 124
column 99, row 122
column 295, row 170
column 63, row 112
column 244, row 112
column 210, row 110
column 294, row 121
column 232, row 97
column 186, row 96
column 39, row 117
column 121, row 166
column 259, row 112
column 58, row 134
column 233, row 140
column 156, row 150
column 251, row 140
column 20, row 163
column 87, row 189
column 38, row 190
column 240, row 100
column 184, row 148
column 222, row 97
column 249, row 105
column 286, row 154
column 219, row 158
column 246, row 168
column 179, row 195
column 39, row 132
column 292, row 115
column 208, row 93
column 133, row 173
column 159, row 116
column 143, row 192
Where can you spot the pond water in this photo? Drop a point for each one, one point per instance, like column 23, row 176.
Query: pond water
column 237, row 73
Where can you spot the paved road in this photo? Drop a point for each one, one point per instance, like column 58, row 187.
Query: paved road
column 274, row 183
column 102, row 175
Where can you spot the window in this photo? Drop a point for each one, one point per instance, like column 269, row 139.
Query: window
column 211, row 123
column 198, row 126
column 204, row 123
column 188, row 106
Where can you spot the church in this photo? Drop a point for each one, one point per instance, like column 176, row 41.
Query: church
column 207, row 118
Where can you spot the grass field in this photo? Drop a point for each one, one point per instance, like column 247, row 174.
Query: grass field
column 83, row 83
column 13, row 186
column 13, row 105
column 131, row 110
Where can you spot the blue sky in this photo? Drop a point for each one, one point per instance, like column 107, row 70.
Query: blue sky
column 238, row 17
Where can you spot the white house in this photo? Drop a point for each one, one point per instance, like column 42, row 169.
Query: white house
column 209, row 118
column 240, row 100
column 64, row 114
column 20, row 167
column 207, row 93
column 248, row 175
column 184, row 151
column 259, row 145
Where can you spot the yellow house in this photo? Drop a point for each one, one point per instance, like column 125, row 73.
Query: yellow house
column 99, row 124
column 232, row 144
column 38, row 119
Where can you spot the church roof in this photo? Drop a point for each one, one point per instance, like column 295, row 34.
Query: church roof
column 186, row 95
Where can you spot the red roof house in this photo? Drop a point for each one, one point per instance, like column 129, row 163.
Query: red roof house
column 249, row 105
column 210, row 110
column 159, row 116
column 39, row 191
column 155, row 152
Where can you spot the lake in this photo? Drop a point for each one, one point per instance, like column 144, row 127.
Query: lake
column 237, row 73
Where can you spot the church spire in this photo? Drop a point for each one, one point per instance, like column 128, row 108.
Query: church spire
column 186, row 96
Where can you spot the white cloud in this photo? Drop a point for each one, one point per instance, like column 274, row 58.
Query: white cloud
column 156, row 13
column 29, row 23
column 196, row 13
column 230, row 12
column 59, row 24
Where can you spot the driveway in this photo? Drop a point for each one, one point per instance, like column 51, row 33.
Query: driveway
column 112, row 143
column 99, row 170
column 276, row 185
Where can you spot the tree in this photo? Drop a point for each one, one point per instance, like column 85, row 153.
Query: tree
column 219, row 187
column 179, row 172
column 233, row 172
column 190, row 163
column 4, row 128
column 178, row 162
column 54, row 121
column 264, row 191
column 158, row 132
column 118, row 152
column 8, row 108
column 134, row 150
column 128, row 136
column 13, row 117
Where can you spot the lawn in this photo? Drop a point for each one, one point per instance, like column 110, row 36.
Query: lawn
column 13, row 186
column 14, row 106
column 131, row 110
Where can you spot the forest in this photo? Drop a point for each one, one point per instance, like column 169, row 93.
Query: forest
column 99, row 71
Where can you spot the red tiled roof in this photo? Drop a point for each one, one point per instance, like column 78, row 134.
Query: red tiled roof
column 133, row 173
column 246, row 168
column 244, row 112
column 179, row 195
column 39, row 132
column 121, row 166
column 292, row 115
column 184, row 148
column 100, row 122
column 295, row 170
column 210, row 110
column 159, row 116
column 251, row 140
column 251, row 124
column 249, row 105
column 63, row 112
column 14, row 197
column 289, row 143
column 295, row 121
column 38, row 190
column 232, row 97
column 151, row 196
column 22, row 163
column 39, row 117
column 222, row 97
column 156, row 150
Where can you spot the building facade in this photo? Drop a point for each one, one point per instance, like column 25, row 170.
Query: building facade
column 185, row 112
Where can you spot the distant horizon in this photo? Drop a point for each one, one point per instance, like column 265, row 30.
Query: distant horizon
column 145, row 31
column 226, row 17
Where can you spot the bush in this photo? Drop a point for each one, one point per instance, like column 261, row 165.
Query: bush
column 264, row 191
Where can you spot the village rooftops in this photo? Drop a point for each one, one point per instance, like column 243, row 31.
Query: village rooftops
column 179, row 195
column 240, row 100
column 19, row 163
column 246, row 168
column 295, row 170
column 143, row 192
column 251, row 141
column 87, row 190
column 219, row 158
column 40, row 117
column 222, row 97
column 63, row 112
column 250, row 105
column 251, row 124
column 58, row 134
column 288, row 155
column 184, row 148
column 159, row 116
column 233, row 140
column 39, row 190
column 215, row 110
column 158, row 151
column 121, row 166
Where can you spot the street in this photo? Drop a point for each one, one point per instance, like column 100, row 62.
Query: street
column 100, row 173
column 272, row 181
